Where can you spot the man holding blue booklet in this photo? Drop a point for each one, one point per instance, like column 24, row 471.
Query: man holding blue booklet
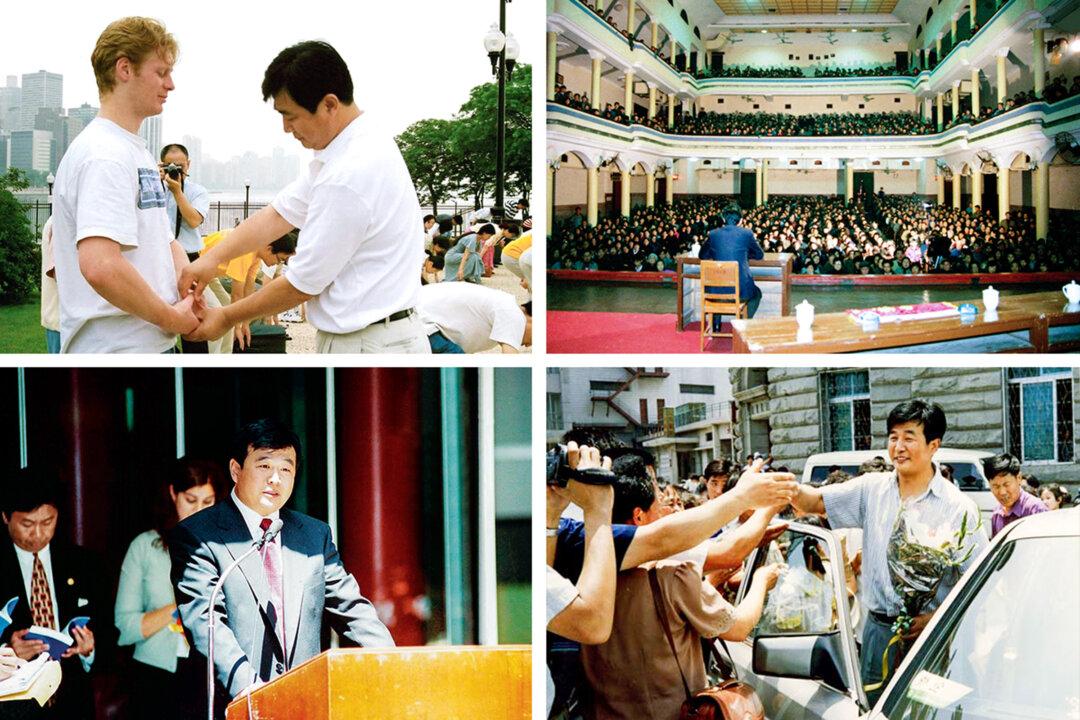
column 54, row 583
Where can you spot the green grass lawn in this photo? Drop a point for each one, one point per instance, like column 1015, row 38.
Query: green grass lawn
column 20, row 328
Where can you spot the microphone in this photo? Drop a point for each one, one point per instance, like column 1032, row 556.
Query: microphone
column 257, row 545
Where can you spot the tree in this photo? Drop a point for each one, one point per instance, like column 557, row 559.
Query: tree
column 20, row 257
column 474, row 138
column 426, row 149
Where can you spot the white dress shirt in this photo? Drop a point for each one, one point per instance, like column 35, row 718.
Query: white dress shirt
column 251, row 518
column 26, row 566
column 361, row 242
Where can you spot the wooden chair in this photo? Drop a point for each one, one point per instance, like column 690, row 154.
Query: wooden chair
column 719, row 295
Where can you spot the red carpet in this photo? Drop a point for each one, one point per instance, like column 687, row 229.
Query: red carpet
column 608, row 332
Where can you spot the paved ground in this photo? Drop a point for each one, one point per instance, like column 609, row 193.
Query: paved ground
column 302, row 335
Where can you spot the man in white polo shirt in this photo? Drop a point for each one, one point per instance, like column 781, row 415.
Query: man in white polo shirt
column 361, row 229
column 116, row 258
column 473, row 317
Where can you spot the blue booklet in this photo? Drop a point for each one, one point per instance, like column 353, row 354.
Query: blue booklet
column 5, row 613
column 58, row 641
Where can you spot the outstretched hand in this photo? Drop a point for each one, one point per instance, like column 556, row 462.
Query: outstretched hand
column 212, row 325
column 194, row 277
column 765, row 489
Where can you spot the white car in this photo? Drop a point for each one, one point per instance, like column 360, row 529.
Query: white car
column 1005, row 644
column 967, row 468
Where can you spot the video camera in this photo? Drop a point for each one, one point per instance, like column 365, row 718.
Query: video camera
column 559, row 471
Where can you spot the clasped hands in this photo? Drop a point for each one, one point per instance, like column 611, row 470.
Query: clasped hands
column 196, row 321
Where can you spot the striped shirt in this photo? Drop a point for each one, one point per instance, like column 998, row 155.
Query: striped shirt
column 872, row 502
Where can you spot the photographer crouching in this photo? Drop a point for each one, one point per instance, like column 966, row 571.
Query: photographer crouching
column 187, row 205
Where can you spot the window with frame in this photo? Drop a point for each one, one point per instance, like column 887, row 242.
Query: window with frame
column 1039, row 414
column 554, row 411
column 691, row 389
column 846, row 401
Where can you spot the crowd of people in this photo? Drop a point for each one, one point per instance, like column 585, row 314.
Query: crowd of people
column 788, row 125
column 642, row 573
column 459, row 313
column 879, row 235
column 1058, row 89
column 795, row 71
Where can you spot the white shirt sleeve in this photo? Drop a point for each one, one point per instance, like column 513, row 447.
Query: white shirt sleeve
column 200, row 200
column 336, row 225
column 107, row 206
column 508, row 326
column 292, row 202
column 560, row 593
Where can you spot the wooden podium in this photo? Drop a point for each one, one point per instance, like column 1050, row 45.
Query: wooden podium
column 409, row 682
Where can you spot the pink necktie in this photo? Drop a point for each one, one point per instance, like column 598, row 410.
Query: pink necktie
column 271, row 557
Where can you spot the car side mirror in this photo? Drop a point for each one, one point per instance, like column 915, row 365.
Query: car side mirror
column 807, row 657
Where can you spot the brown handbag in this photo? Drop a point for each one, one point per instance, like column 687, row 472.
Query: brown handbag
column 729, row 700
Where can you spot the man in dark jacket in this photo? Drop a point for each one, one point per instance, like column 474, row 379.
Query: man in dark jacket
column 731, row 243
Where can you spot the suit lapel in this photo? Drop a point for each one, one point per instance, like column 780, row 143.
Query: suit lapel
column 293, row 562
column 237, row 540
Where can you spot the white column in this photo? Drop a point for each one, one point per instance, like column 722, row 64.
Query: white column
column 594, row 92
column 940, row 112
column 957, row 189
column 940, row 187
column 759, row 172
column 650, row 189
column 955, row 99
column 765, row 181
column 1042, row 199
column 631, row 17
column 976, row 106
column 1002, row 80
column 976, row 188
column 1038, row 66
column 624, row 195
column 954, row 32
column 655, row 34
column 591, row 191
column 552, row 63
column 551, row 199
column 671, row 110
column 849, row 181
column 628, row 93
column 669, row 186
column 973, row 4
column 652, row 101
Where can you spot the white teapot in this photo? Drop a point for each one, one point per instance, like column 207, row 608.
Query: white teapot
column 1072, row 292
column 990, row 298
column 804, row 314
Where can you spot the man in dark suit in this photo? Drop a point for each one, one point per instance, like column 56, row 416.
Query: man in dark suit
column 270, row 612
column 731, row 243
column 54, row 583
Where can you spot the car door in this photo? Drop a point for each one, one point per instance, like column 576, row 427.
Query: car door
column 801, row 620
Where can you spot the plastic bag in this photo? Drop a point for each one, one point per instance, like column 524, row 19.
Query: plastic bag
column 801, row 602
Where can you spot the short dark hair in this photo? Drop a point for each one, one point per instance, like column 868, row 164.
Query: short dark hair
column 721, row 467
column 174, row 146
column 924, row 412
column 1003, row 464
column 630, row 466
column 264, row 434
column 486, row 229
column 631, row 491
column 285, row 243
column 429, row 216
column 444, row 242
column 31, row 489
column 437, row 261
column 618, row 452
column 309, row 71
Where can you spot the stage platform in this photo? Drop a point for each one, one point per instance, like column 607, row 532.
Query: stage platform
column 612, row 332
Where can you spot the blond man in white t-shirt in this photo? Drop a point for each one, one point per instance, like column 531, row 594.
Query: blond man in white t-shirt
column 361, row 229
column 116, row 259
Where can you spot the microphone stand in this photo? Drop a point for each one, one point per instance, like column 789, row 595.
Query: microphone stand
column 256, row 546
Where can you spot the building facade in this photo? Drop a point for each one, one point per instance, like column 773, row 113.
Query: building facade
column 793, row 413
column 150, row 131
column 31, row 150
column 681, row 415
column 40, row 90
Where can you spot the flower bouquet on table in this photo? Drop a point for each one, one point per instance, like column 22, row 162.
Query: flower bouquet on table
column 899, row 313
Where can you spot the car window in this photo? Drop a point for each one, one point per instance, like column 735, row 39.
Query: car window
column 968, row 477
column 803, row 600
column 1012, row 651
column 820, row 472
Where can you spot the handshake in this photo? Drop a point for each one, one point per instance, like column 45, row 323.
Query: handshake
column 192, row 317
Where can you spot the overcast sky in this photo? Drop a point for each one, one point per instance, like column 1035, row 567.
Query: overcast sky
column 410, row 59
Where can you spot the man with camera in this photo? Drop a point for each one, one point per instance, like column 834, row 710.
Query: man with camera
column 187, row 205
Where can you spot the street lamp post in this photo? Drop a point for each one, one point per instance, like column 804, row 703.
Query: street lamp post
column 503, row 51
column 51, row 179
column 247, row 197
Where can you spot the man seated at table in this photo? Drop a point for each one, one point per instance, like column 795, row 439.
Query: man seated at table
column 731, row 243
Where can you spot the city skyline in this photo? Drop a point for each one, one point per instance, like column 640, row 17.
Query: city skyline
column 222, row 103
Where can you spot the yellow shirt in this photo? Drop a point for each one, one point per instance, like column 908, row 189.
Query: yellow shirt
column 237, row 268
column 515, row 248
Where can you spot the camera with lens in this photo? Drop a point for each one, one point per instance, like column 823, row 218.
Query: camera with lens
column 559, row 471
column 174, row 171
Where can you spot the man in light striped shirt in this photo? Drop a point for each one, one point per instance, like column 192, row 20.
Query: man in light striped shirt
column 872, row 502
